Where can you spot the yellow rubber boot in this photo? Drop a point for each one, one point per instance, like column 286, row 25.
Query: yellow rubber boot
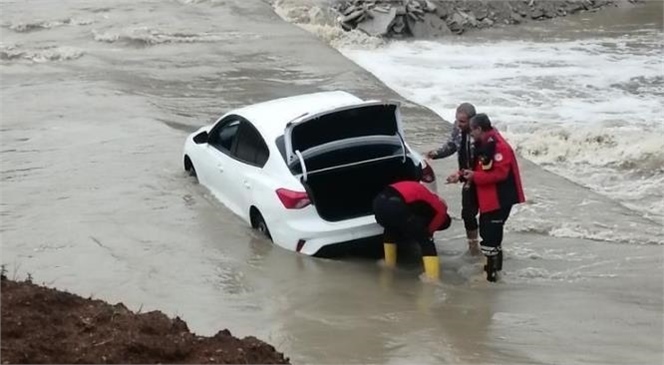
column 431, row 267
column 390, row 254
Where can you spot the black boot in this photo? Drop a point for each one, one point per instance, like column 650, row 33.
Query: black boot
column 491, row 268
column 499, row 260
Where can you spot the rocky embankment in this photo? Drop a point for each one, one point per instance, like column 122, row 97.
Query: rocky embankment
column 436, row 18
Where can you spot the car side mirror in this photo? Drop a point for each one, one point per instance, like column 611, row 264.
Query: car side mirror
column 201, row 138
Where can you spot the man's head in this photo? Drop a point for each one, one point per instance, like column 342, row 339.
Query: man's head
column 479, row 125
column 464, row 112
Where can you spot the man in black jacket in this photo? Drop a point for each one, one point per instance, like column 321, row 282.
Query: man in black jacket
column 461, row 142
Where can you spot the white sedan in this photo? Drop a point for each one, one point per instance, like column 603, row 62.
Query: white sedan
column 304, row 169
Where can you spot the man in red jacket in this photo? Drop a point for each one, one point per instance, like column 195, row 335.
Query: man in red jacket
column 498, row 185
column 410, row 212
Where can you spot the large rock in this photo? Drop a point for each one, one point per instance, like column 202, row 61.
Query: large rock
column 444, row 9
column 378, row 23
column 574, row 6
column 399, row 25
column 470, row 18
column 352, row 16
column 486, row 23
column 481, row 13
column 456, row 23
column 549, row 9
column 430, row 6
column 432, row 26
column 537, row 13
column 516, row 18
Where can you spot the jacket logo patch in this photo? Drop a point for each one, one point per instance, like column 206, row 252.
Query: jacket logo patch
column 498, row 157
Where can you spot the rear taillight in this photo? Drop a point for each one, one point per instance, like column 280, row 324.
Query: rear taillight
column 428, row 176
column 293, row 199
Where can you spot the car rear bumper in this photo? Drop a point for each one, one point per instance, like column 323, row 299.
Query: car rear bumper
column 310, row 235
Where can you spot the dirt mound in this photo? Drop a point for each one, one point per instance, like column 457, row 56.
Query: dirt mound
column 43, row 325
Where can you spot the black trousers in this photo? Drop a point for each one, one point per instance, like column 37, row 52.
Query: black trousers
column 469, row 208
column 491, row 230
column 402, row 225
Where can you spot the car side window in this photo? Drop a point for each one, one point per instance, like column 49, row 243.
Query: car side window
column 222, row 138
column 251, row 147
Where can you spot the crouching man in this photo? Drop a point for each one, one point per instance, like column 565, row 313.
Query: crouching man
column 409, row 212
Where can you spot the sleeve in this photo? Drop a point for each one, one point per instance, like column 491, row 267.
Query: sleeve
column 441, row 214
column 447, row 223
column 450, row 146
column 496, row 169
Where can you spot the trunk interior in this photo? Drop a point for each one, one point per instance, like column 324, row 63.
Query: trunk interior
column 348, row 192
column 348, row 156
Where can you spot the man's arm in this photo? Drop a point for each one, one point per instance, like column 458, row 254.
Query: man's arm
column 440, row 218
column 449, row 147
column 498, row 170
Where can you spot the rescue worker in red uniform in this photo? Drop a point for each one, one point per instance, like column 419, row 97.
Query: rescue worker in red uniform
column 410, row 212
column 498, row 186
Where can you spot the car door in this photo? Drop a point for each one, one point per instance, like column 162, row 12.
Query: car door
column 220, row 170
column 250, row 156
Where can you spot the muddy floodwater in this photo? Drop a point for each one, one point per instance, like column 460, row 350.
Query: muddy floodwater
column 97, row 99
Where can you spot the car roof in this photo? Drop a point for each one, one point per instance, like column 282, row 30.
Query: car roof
column 271, row 117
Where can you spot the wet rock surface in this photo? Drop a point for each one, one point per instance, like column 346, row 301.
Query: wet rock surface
column 43, row 325
column 436, row 18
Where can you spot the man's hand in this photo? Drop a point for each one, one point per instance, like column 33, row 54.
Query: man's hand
column 432, row 154
column 468, row 175
column 453, row 179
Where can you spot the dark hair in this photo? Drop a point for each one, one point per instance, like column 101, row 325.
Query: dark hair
column 481, row 121
column 466, row 108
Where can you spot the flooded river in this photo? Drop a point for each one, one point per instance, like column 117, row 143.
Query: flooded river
column 97, row 98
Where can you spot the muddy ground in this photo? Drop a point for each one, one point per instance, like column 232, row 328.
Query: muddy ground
column 44, row 325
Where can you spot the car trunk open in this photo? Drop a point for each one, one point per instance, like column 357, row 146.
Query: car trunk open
column 347, row 156
column 348, row 192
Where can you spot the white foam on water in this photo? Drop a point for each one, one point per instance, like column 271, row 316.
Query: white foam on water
column 37, row 25
column 316, row 17
column 144, row 36
column 554, row 101
column 542, row 225
column 15, row 53
column 589, row 110
column 540, row 274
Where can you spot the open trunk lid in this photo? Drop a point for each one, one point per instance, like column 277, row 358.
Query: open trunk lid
column 372, row 119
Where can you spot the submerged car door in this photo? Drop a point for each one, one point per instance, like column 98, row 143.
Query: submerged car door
column 220, row 170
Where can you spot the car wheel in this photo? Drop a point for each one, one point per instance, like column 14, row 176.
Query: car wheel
column 258, row 223
column 189, row 167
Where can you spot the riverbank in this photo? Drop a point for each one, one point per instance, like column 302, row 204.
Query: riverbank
column 44, row 325
column 426, row 19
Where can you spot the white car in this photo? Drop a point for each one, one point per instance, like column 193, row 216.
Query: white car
column 304, row 169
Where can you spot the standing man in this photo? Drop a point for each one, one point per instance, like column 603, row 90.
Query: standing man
column 461, row 143
column 498, row 185
column 409, row 212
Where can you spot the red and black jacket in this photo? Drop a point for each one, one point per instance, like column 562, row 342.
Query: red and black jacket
column 414, row 193
column 496, row 174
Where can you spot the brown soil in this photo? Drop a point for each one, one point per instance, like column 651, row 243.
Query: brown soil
column 43, row 325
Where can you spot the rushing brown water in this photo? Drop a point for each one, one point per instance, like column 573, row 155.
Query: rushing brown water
column 97, row 98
